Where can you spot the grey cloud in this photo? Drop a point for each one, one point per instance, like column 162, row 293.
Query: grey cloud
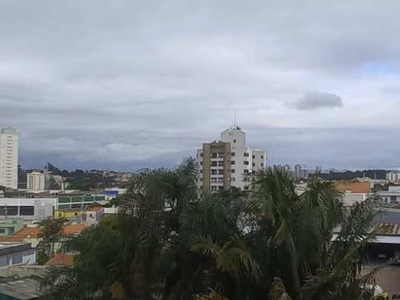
column 135, row 83
column 317, row 100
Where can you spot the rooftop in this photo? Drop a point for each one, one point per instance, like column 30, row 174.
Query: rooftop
column 61, row 259
column 23, row 289
column 353, row 186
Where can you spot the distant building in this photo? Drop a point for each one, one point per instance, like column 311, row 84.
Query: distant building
column 393, row 176
column 228, row 162
column 28, row 209
column 298, row 171
column 36, row 181
column 9, row 158
column 10, row 226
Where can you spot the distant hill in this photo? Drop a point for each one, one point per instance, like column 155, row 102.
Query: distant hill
column 347, row 175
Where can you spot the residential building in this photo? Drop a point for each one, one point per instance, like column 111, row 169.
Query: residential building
column 92, row 216
column 10, row 226
column 298, row 171
column 12, row 254
column 9, row 158
column 391, row 196
column 228, row 162
column 36, row 181
column 354, row 191
column 393, row 176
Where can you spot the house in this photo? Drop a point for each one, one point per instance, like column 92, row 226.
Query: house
column 15, row 253
column 92, row 215
column 354, row 191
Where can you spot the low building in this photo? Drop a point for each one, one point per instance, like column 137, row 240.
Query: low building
column 77, row 201
column 354, row 191
column 10, row 226
column 28, row 209
column 12, row 254
column 391, row 196
column 393, row 176
column 92, row 216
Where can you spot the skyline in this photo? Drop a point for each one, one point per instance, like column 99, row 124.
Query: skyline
column 123, row 85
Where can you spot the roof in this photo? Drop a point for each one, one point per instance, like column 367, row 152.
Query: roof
column 61, row 259
column 23, row 289
column 96, row 208
column 73, row 229
column 353, row 186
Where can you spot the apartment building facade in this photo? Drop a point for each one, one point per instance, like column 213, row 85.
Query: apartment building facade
column 228, row 162
column 9, row 158
column 36, row 181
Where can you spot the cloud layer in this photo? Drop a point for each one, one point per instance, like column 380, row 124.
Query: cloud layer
column 125, row 84
column 317, row 100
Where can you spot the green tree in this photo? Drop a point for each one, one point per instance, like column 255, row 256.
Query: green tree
column 50, row 234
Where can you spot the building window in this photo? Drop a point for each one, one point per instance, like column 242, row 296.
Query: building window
column 213, row 163
column 221, row 154
column 254, row 156
column 262, row 164
column 233, row 179
column 254, row 164
column 246, row 163
column 213, row 180
column 201, row 163
column 201, row 171
column 233, row 171
column 246, row 154
column 27, row 210
column 213, row 188
column 201, row 154
column 234, row 141
column 246, row 187
column 213, row 172
column 393, row 199
column 213, row 155
column 262, row 156
column 2, row 230
column 221, row 163
column 220, row 172
column 233, row 154
column 246, row 171
column 220, row 188
column 232, row 162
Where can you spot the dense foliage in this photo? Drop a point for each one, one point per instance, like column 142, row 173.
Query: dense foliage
column 271, row 243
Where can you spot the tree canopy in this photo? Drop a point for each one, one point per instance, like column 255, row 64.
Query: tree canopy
column 168, row 242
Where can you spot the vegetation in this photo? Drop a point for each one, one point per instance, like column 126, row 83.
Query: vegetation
column 270, row 243
column 50, row 234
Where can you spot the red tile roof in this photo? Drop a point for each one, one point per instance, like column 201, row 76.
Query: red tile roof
column 61, row 259
column 354, row 186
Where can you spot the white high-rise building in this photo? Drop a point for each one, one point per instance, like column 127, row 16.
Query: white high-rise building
column 36, row 181
column 9, row 158
column 228, row 161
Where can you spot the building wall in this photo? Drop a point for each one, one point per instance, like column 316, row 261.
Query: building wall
column 18, row 258
column 67, row 214
column 9, row 158
column 10, row 226
column 36, row 181
column 27, row 208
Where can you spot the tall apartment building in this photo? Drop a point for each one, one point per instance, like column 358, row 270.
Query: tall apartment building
column 36, row 181
column 228, row 162
column 9, row 158
column 393, row 176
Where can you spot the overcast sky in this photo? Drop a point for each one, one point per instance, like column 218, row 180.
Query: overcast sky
column 127, row 84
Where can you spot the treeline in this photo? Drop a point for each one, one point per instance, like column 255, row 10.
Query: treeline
column 348, row 175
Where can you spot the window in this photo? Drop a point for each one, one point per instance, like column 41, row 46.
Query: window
column 27, row 210
column 213, row 172
column 254, row 164
column 213, row 188
column 220, row 172
column 262, row 156
column 246, row 187
column 201, row 163
column 8, row 210
column 254, row 156
column 59, row 215
column 233, row 179
column 246, row 154
column 220, row 188
column 201, row 171
column 233, row 154
column 221, row 154
column 221, row 163
column 201, row 154
column 246, row 171
column 393, row 199
column 213, row 163
column 262, row 164
column 234, row 141
column 246, row 163
column 17, row 259
column 214, row 155
column 75, row 214
column 232, row 162
column 213, row 180
column 2, row 230
column 3, row 261
column 91, row 215
column 233, row 171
